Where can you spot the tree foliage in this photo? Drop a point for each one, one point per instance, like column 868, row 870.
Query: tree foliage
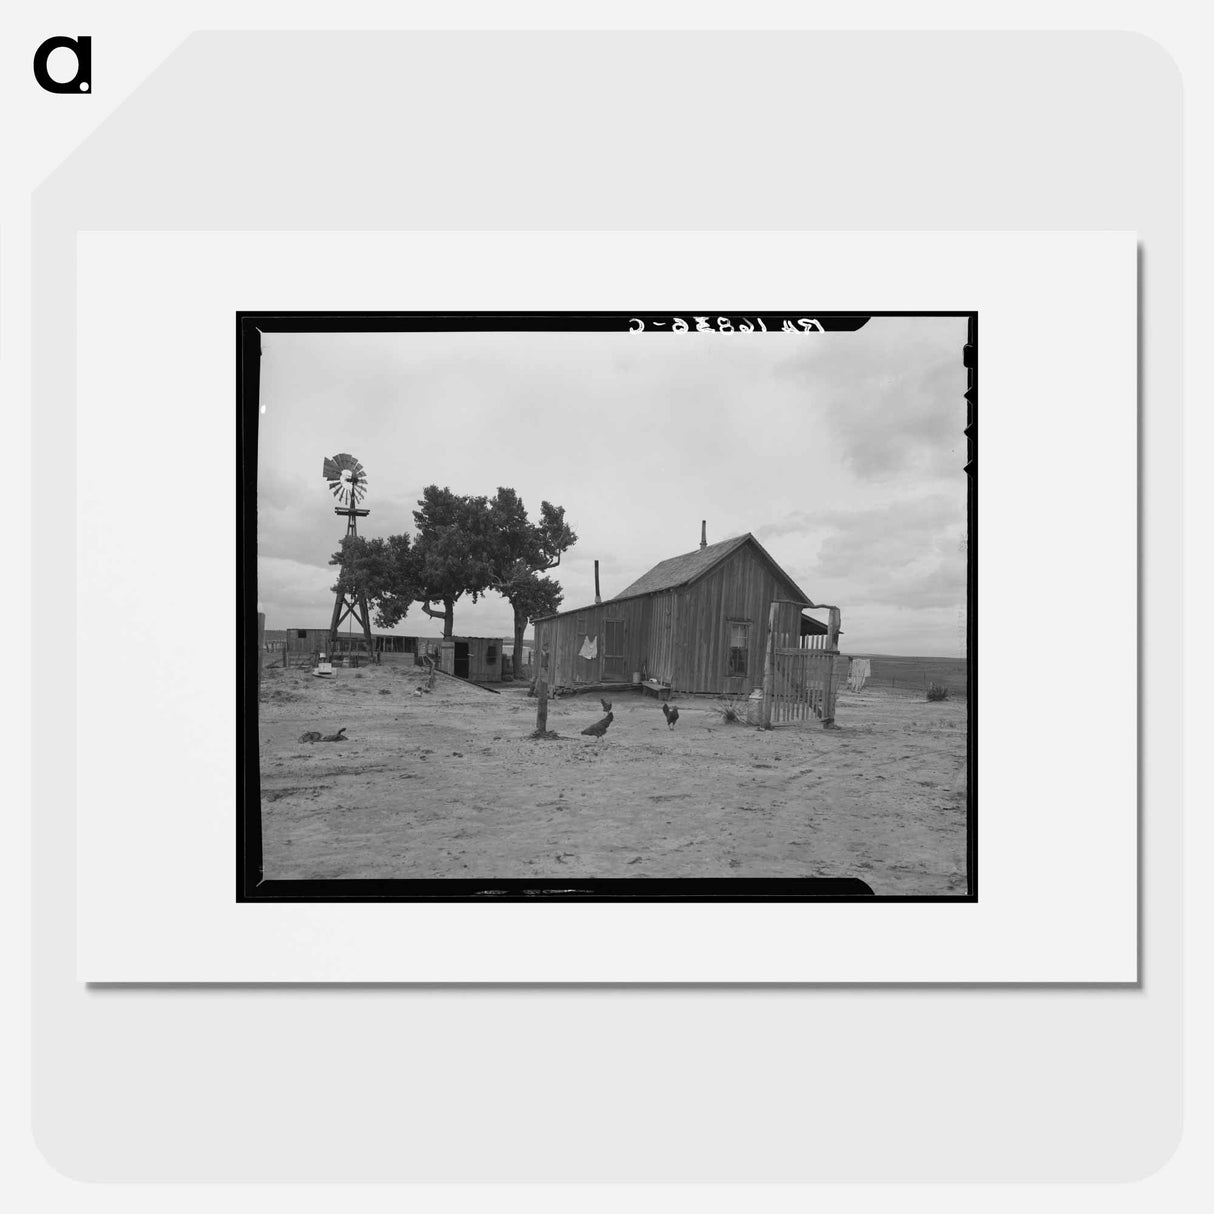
column 453, row 553
column 521, row 551
column 383, row 570
column 464, row 545
column 533, row 596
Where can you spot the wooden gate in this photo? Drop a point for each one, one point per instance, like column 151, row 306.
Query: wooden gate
column 803, row 685
column 800, row 684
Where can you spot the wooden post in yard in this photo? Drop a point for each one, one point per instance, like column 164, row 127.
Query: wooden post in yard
column 828, row 681
column 769, row 669
column 541, row 711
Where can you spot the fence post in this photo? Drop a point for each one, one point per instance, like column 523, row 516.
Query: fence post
column 769, row 669
column 828, row 693
column 828, row 681
column 541, row 711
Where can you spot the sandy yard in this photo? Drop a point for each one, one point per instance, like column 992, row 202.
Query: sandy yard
column 448, row 784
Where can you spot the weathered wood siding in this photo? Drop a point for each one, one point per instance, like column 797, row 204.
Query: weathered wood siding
column 633, row 616
column 680, row 636
column 482, row 667
column 564, row 635
column 660, row 651
column 740, row 590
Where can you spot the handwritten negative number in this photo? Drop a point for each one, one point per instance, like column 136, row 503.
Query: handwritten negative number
column 723, row 324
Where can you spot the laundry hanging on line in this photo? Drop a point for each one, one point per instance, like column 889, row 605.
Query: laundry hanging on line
column 590, row 648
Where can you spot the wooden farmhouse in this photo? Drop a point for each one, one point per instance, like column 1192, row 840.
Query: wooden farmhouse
column 696, row 623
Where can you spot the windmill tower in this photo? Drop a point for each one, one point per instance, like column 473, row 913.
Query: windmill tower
column 348, row 483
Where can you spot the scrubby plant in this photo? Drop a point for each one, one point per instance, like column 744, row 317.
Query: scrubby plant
column 937, row 691
column 731, row 711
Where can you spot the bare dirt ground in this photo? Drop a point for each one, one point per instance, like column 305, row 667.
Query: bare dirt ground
column 447, row 784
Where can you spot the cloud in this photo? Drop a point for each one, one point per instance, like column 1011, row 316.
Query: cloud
column 928, row 632
column 897, row 571
column 894, row 415
column 294, row 594
column 295, row 519
column 830, row 447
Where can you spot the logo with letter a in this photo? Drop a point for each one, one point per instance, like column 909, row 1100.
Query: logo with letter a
column 82, row 81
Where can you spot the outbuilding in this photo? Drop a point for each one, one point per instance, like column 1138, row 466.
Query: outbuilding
column 477, row 659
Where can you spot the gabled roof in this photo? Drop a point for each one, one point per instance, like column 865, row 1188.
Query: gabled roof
column 690, row 567
column 679, row 570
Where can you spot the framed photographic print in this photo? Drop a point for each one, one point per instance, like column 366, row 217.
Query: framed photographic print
column 490, row 648
column 782, row 502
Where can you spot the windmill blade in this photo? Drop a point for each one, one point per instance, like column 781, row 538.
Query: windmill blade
column 335, row 465
column 346, row 476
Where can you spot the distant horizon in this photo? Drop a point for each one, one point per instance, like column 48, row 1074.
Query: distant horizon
column 529, row 638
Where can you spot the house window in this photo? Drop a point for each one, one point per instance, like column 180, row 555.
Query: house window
column 301, row 634
column 739, row 647
column 491, row 653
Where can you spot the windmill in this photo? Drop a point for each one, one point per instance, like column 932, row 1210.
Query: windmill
column 348, row 483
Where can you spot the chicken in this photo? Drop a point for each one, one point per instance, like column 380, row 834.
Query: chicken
column 336, row 737
column 313, row 735
column 599, row 728
column 672, row 715
column 606, row 705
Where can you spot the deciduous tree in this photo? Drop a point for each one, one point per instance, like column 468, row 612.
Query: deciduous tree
column 522, row 550
column 383, row 569
column 453, row 551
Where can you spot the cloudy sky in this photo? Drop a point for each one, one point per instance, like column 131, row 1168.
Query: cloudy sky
column 841, row 452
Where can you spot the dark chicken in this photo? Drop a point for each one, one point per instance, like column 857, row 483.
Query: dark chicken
column 599, row 728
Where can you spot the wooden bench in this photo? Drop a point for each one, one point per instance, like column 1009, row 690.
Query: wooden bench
column 659, row 689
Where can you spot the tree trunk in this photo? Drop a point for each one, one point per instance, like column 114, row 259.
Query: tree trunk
column 448, row 618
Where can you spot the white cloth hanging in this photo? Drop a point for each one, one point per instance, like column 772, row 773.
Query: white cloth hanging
column 859, row 670
column 590, row 648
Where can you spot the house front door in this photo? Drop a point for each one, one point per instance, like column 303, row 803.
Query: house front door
column 613, row 651
column 738, row 676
